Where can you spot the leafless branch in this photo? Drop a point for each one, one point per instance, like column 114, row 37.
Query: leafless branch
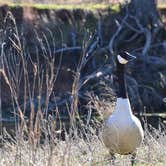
column 68, row 49
column 99, row 29
column 111, row 43
column 148, row 41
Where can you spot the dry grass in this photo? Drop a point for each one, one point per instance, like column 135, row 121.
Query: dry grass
column 78, row 150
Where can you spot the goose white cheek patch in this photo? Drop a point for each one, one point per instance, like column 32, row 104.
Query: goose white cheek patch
column 122, row 60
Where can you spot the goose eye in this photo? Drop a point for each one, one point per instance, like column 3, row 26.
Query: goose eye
column 122, row 60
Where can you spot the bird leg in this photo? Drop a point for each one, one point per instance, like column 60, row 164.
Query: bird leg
column 133, row 158
column 112, row 158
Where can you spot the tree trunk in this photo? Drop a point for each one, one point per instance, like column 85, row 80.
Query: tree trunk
column 146, row 12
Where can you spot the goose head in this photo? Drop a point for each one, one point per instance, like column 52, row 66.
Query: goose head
column 124, row 57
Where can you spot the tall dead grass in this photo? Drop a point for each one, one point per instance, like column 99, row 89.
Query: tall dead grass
column 81, row 149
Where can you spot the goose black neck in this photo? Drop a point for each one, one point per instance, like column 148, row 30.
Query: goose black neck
column 120, row 74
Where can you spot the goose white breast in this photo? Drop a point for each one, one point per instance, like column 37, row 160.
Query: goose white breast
column 122, row 132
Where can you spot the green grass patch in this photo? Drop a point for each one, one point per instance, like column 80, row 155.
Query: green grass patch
column 162, row 6
column 71, row 6
column 91, row 6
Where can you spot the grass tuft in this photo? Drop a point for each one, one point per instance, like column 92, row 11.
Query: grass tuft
column 79, row 150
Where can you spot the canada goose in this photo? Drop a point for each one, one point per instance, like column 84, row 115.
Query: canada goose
column 122, row 132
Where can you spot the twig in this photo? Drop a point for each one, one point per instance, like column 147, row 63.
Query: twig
column 132, row 28
column 92, row 48
column 73, row 37
column 99, row 29
column 100, row 72
column 111, row 43
column 78, row 48
column 132, row 38
column 151, row 46
column 148, row 41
